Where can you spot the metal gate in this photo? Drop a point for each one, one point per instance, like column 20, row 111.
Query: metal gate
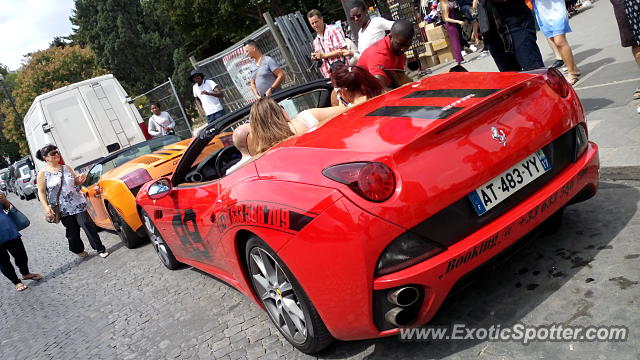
column 166, row 95
column 294, row 59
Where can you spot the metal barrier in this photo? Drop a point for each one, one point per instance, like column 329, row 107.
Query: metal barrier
column 231, row 68
column 166, row 95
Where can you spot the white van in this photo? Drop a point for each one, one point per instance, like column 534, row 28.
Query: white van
column 86, row 121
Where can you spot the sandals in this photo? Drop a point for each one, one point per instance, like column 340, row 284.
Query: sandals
column 636, row 94
column 574, row 78
column 21, row 287
column 32, row 276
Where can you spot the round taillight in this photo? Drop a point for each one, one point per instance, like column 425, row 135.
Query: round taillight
column 376, row 182
column 373, row 181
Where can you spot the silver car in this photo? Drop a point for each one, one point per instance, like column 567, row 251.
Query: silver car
column 25, row 185
column 4, row 175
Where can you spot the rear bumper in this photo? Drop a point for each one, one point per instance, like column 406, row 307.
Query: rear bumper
column 339, row 277
column 438, row 275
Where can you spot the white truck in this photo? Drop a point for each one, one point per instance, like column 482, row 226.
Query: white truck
column 86, row 121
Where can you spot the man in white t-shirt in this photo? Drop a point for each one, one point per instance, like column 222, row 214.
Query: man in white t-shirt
column 207, row 94
column 371, row 29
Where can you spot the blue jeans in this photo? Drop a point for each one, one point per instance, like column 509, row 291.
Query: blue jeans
column 215, row 116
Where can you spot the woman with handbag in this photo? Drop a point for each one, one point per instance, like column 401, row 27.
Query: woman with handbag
column 11, row 244
column 62, row 201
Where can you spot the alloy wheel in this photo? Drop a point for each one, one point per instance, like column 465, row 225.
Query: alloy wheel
column 277, row 295
column 156, row 240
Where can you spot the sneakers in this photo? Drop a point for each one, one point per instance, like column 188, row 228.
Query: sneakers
column 557, row 64
column 82, row 254
column 103, row 254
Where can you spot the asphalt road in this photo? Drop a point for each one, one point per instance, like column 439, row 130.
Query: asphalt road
column 128, row 306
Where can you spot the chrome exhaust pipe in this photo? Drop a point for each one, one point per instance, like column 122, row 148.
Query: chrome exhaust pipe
column 399, row 317
column 405, row 296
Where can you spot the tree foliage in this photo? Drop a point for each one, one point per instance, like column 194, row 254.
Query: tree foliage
column 133, row 39
column 209, row 26
column 44, row 71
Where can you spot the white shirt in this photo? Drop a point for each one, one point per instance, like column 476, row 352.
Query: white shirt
column 235, row 167
column 373, row 32
column 160, row 124
column 210, row 104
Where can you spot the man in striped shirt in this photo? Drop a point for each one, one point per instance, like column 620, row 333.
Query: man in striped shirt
column 329, row 45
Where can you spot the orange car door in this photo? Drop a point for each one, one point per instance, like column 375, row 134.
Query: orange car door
column 93, row 194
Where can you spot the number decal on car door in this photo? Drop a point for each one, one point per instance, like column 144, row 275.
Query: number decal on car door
column 186, row 228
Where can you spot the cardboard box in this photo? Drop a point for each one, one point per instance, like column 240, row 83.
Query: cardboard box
column 436, row 33
column 445, row 55
column 440, row 44
column 427, row 61
column 428, row 49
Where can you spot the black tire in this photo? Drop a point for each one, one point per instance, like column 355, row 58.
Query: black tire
column 317, row 336
column 128, row 237
column 159, row 245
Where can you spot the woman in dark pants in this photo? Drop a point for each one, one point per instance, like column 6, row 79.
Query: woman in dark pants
column 58, row 185
column 11, row 244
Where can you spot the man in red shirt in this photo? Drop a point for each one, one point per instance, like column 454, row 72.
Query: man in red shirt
column 385, row 58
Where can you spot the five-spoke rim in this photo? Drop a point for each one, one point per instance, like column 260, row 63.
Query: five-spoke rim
column 158, row 244
column 277, row 295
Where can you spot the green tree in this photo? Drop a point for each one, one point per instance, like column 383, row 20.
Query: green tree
column 208, row 27
column 132, row 39
column 8, row 148
column 44, row 71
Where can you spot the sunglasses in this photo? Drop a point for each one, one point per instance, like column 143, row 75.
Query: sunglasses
column 54, row 153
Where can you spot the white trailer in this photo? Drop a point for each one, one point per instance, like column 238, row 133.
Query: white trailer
column 86, row 120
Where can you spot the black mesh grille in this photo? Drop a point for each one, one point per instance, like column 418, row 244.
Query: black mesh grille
column 460, row 220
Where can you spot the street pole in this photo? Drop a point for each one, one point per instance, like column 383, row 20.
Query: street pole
column 13, row 105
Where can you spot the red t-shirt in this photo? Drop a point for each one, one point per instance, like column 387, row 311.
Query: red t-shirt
column 378, row 55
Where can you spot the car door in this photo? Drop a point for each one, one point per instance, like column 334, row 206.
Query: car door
column 93, row 194
column 186, row 218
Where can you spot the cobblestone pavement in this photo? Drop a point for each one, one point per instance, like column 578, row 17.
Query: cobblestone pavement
column 128, row 306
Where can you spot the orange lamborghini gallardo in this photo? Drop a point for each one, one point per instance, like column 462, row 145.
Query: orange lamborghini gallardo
column 114, row 180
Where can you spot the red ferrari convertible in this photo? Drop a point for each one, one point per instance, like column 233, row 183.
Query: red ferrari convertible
column 364, row 225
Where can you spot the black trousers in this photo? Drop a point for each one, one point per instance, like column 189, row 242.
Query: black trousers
column 14, row 247
column 73, row 224
column 525, row 54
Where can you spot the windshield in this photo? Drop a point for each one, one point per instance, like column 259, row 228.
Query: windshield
column 144, row 148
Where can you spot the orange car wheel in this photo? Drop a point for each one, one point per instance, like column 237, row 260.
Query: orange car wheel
column 128, row 237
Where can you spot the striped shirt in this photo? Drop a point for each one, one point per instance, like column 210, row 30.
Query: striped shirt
column 332, row 39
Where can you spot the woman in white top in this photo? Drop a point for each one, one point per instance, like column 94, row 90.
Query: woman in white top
column 160, row 123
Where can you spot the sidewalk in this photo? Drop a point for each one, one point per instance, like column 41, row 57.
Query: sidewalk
column 609, row 78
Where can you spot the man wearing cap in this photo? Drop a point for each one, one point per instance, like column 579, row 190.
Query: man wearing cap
column 207, row 94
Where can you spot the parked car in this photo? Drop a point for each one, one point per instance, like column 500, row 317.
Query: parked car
column 25, row 185
column 114, row 180
column 365, row 225
column 11, row 176
column 4, row 174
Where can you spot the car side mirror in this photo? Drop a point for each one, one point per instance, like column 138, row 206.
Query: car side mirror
column 159, row 189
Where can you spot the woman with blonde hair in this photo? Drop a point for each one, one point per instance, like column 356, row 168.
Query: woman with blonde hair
column 270, row 123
